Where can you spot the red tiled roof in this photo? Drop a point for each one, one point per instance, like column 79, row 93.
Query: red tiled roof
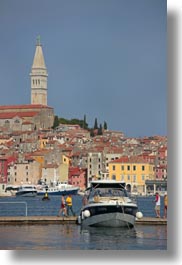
column 29, row 106
column 10, row 115
column 123, row 159
column 132, row 159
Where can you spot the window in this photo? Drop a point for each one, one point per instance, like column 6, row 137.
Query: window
column 128, row 177
column 128, row 167
column 122, row 167
column 113, row 167
column 143, row 177
column 134, row 168
column 134, row 178
column 113, row 177
column 122, row 177
column 143, row 168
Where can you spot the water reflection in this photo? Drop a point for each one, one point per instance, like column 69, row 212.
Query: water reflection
column 144, row 237
column 108, row 238
column 70, row 236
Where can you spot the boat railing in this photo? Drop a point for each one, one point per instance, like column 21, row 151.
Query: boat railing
column 26, row 211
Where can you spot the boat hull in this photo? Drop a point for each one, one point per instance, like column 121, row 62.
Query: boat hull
column 26, row 194
column 116, row 219
column 58, row 192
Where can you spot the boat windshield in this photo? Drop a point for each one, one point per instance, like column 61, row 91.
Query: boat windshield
column 107, row 192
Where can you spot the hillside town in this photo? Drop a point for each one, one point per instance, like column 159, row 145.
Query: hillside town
column 71, row 155
column 32, row 152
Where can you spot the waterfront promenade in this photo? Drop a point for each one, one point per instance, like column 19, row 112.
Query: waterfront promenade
column 25, row 220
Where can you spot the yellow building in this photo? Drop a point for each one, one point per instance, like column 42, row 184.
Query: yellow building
column 64, row 168
column 134, row 171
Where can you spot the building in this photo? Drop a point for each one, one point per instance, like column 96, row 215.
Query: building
column 134, row 171
column 26, row 117
column 25, row 172
column 39, row 77
column 5, row 163
column 77, row 177
column 37, row 115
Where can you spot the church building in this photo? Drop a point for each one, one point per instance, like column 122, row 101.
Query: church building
column 37, row 114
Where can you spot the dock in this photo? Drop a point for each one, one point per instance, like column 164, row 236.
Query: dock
column 42, row 220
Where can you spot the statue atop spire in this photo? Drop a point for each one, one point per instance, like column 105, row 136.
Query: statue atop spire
column 38, row 40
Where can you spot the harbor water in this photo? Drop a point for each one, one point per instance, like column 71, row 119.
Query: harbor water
column 71, row 236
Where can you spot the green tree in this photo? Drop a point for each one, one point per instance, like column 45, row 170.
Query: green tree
column 85, row 125
column 56, row 122
column 95, row 124
column 105, row 125
column 100, row 130
column 92, row 132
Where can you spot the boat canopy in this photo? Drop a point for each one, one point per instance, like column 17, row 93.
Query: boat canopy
column 108, row 184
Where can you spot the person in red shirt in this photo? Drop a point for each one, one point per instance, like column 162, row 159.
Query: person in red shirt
column 157, row 204
column 62, row 207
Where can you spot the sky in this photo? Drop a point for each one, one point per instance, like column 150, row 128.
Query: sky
column 106, row 59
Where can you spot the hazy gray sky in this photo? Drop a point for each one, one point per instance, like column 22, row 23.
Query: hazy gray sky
column 105, row 59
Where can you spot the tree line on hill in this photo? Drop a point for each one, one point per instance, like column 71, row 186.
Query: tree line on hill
column 95, row 130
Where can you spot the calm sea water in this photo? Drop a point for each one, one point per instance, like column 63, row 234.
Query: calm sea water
column 71, row 236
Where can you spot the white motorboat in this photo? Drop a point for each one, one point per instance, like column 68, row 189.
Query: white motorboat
column 59, row 189
column 27, row 191
column 11, row 190
column 106, row 203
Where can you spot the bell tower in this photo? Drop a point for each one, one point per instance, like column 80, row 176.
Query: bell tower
column 39, row 77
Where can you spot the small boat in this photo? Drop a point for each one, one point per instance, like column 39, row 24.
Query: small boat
column 59, row 189
column 11, row 190
column 27, row 191
column 106, row 203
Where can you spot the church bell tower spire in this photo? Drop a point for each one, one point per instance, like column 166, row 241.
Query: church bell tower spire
column 39, row 77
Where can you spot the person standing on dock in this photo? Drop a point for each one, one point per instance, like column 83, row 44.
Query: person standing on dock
column 62, row 207
column 69, row 205
column 157, row 204
column 165, row 205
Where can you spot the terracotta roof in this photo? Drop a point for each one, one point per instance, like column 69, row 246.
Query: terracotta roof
column 29, row 106
column 132, row 159
column 10, row 115
column 123, row 159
